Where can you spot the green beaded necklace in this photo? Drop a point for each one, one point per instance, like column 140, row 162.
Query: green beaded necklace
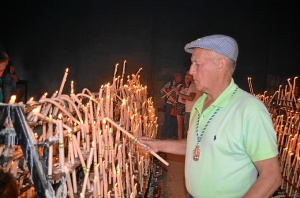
column 196, row 151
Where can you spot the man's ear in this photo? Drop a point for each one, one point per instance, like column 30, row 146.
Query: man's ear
column 221, row 65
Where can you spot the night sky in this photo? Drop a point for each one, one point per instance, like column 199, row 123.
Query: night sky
column 43, row 38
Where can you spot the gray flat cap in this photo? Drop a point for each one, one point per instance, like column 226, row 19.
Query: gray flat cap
column 220, row 44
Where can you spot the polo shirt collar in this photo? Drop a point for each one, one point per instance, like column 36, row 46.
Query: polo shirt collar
column 222, row 100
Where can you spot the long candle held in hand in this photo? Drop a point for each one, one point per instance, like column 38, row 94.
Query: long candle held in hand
column 135, row 139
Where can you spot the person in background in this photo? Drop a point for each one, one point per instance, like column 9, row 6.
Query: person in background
column 231, row 147
column 9, row 82
column 190, row 98
column 180, row 107
column 169, row 126
column 3, row 62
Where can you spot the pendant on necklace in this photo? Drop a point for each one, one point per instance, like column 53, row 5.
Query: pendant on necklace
column 196, row 153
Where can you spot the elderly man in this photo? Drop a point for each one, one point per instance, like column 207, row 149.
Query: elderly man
column 231, row 148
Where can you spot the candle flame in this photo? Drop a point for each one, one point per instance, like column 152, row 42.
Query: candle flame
column 36, row 110
column 13, row 97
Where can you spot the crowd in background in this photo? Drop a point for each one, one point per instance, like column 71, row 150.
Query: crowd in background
column 179, row 94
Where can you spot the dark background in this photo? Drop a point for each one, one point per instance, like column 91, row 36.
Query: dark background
column 43, row 38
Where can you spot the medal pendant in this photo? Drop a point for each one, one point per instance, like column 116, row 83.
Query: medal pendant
column 196, row 153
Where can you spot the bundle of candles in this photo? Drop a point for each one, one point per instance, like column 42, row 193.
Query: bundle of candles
column 94, row 136
column 284, row 97
column 283, row 107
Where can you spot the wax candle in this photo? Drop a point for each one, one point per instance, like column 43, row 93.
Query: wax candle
column 294, row 86
column 116, row 190
column 86, row 176
column 12, row 99
column 63, row 81
column 123, row 153
column 74, row 180
column 36, row 112
column 135, row 189
column 123, row 72
column 50, row 134
column 96, row 171
column 61, row 145
column 71, row 152
column 105, row 187
column 95, row 193
column 120, row 156
column 86, row 129
column 72, row 87
column 100, row 151
column 116, row 68
column 114, row 173
column 15, row 168
column 76, row 146
column 132, row 183
column 59, row 106
column 130, row 163
column 127, row 180
column 69, row 183
column 119, row 180
column 135, row 139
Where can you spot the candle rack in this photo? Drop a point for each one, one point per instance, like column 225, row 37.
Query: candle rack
column 284, row 109
column 84, row 144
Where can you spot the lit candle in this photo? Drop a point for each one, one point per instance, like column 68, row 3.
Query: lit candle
column 107, row 100
column 294, row 86
column 123, row 72
column 50, row 134
column 116, row 68
column 135, row 139
column 12, row 99
column 72, row 87
column 63, row 82
column 71, row 152
column 61, row 145
column 46, row 109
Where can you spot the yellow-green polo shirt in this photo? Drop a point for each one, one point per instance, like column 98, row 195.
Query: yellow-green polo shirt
column 239, row 134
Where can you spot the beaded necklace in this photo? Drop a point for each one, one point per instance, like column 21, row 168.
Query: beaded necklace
column 196, row 151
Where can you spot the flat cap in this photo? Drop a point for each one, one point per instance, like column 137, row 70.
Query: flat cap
column 221, row 44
